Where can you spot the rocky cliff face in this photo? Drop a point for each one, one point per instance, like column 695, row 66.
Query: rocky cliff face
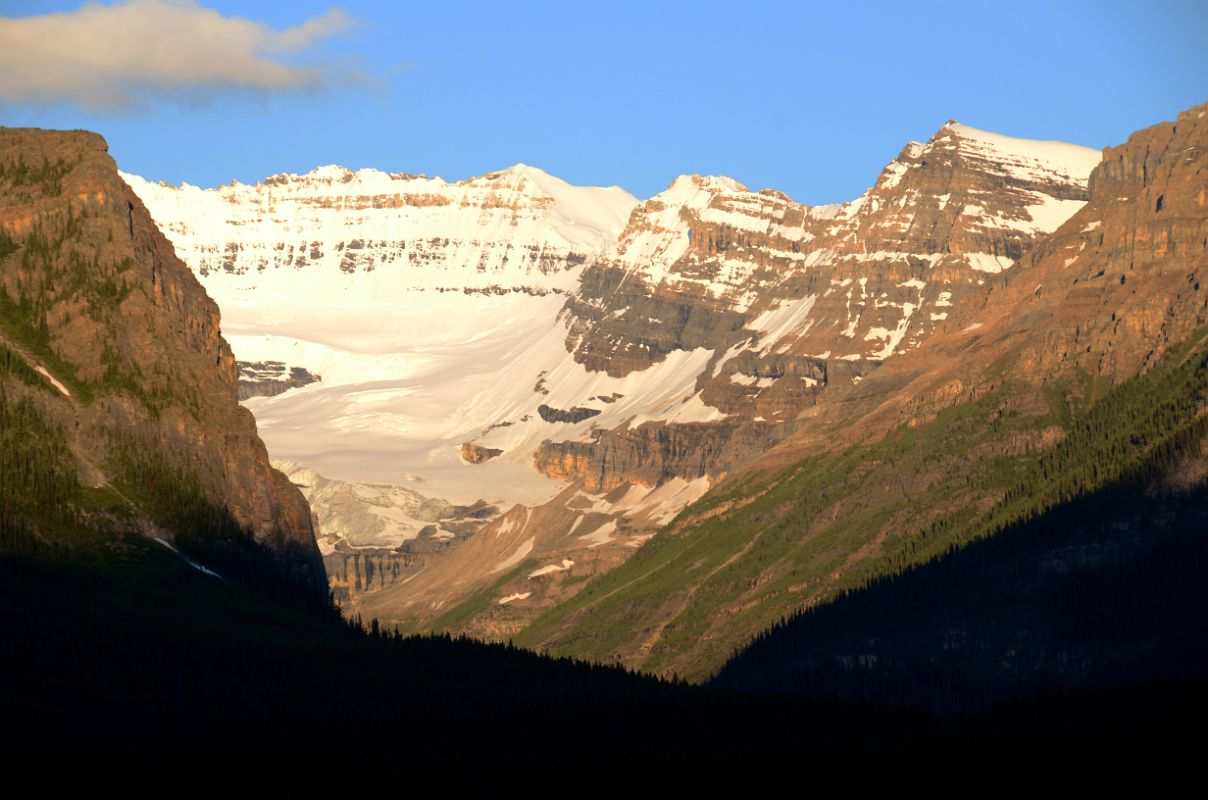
column 791, row 299
column 93, row 294
column 1126, row 273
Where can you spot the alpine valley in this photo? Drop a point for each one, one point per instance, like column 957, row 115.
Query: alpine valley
column 938, row 448
column 518, row 381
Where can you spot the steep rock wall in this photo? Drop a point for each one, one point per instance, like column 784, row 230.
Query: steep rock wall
column 92, row 288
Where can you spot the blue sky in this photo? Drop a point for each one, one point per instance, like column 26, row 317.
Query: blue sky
column 809, row 98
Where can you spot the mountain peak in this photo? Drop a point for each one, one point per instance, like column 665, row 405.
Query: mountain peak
column 329, row 171
column 1021, row 156
column 557, row 188
column 525, row 170
column 683, row 188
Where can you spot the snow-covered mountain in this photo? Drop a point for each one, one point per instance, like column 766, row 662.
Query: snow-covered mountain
column 406, row 296
column 599, row 361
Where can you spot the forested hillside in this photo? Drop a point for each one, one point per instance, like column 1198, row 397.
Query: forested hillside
column 1091, row 574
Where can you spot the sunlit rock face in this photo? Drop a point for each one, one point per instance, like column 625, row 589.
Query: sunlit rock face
column 156, row 381
column 790, row 298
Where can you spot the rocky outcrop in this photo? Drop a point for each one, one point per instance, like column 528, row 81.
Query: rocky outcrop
column 652, row 454
column 352, row 572
column 570, row 415
column 94, row 292
column 476, row 454
column 271, row 378
column 1123, row 281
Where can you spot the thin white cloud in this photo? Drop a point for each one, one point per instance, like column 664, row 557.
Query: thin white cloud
column 112, row 57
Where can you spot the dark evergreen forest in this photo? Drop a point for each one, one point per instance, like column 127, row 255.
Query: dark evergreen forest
column 1102, row 591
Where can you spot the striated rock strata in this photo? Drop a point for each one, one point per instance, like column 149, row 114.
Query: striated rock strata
column 792, row 299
